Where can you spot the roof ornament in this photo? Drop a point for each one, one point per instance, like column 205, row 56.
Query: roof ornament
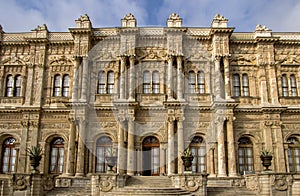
column 219, row 21
column 129, row 16
column 128, row 21
column 41, row 28
column 219, row 17
column 174, row 20
column 259, row 27
column 83, row 22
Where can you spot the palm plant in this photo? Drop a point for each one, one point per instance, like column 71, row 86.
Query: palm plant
column 35, row 156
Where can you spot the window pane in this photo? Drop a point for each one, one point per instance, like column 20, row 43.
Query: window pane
column 56, row 89
column 57, row 155
column 9, row 86
column 284, row 85
column 192, row 82
column 110, row 82
column 245, row 85
column 293, row 85
column 101, row 83
column 18, row 84
column 66, row 86
column 236, row 85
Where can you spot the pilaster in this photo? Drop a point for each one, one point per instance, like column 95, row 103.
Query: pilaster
column 171, row 157
column 170, row 78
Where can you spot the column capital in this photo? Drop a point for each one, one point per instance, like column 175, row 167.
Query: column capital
column 217, row 58
column 123, row 57
column 180, row 118
column 171, row 119
column 170, row 57
column 179, row 57
column 131, row 58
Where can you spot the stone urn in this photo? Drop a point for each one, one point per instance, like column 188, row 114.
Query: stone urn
column 111, row 162
column 266, row 161
column 187, row 162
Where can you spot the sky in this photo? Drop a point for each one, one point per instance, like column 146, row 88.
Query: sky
column 60, row 15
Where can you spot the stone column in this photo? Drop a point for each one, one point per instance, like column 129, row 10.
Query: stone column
column 122, row 76
column 227, row 78
column 179, row 78
column 217, row 78
column 162, row 158
column 280, row 162
column 71, row 149
column 139, row 160
column 130, row 147
column 211, row 163
column 81, row 149
column 84, row 78
column 221, row 147
column 180, row 143
column 230, row 148
column 36, row 185
column 29, row 86
column 75, row 79
column 170, row 78
column 121, row 148
column 131, row 78
column 171, row 163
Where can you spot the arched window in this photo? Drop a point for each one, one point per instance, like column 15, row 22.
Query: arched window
column 18, row 84
column 66, row 86
column 245, row 84
column 284, row 83
column 9, row 86
column 293, row 85
column 155, row 82
column 146, row 82
column 101, row 82
column 103, row 150
column 245, row 155
column 192, row 82
column 198, row 149
column 57, row 155
column 236, row 85
column 9, row 155
column 201, row 82
column 56, row 86
column 294, row 154
column 110, row 82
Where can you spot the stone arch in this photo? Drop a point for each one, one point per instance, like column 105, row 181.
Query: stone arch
column 5, row 136
column 157, row 135
column 45, row 144
column 291, row 134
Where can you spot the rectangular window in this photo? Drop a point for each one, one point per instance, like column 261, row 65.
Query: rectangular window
column 236, row 85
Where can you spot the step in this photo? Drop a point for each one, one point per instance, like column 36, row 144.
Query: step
column 148, row 191
column 229, row 191
column 146, row 181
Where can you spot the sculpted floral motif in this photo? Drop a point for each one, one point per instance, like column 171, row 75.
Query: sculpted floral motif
column 107, row 184
column 48, row 182
column 63, row 182
column 252, row 183
column 21, row 182
column 191, row 184
column 281, row 182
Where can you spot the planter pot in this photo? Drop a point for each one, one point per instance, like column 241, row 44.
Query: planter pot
column 111, row 162
column 35, row 162
column 187, row 162
column 266, row 161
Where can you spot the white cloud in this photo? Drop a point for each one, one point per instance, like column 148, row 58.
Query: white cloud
column 59, row 15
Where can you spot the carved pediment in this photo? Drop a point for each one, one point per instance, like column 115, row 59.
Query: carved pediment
column 151, row 53
column 60, row 60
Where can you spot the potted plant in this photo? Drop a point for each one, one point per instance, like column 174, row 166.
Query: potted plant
column 266, row 158
column 35, row 156
column 111, row 159
column 187, row 158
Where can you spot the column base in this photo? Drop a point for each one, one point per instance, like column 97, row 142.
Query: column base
column 68, row 174
column 232, row 175
column 130, row 173
column 79, row 174
column 212, row 175
column 221, row 175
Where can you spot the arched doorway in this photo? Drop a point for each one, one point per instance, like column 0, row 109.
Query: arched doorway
column 151, row 156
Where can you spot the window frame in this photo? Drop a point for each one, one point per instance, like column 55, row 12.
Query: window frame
column 57, row 85
column 236, row 85
column 198, row 148
column 293, row 154
column 58, row 163
column 66, row 86
column 146, row 82
column 243, row 154
column 101, row 153
column 12, row 155
column 201, row 82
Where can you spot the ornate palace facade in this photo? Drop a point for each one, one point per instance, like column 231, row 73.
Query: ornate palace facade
column 144, row 94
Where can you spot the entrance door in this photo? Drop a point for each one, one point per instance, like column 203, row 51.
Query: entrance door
column 151, row 156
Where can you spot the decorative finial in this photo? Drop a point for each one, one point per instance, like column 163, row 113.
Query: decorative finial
column 259, row 27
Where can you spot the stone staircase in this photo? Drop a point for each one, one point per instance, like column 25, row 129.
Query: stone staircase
column 148, row 185
column 229, row 191
column 80, row 187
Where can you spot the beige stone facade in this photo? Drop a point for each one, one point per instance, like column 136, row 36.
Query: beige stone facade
column 151, row 90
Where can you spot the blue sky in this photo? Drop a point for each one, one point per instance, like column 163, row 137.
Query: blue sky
column 59, row 15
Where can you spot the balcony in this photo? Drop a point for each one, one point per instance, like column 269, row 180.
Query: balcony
column 12, row 100
column 198, row 99
column 289, row 100
column 151, row 99
column 105, row 99
column 247, row 100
